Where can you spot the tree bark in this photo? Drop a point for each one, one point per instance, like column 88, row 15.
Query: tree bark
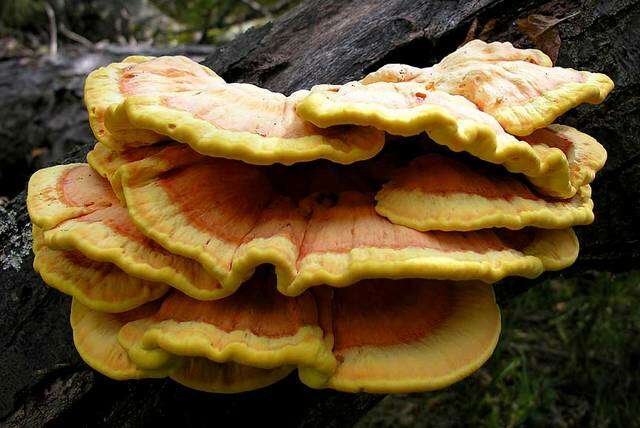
column 334, row 41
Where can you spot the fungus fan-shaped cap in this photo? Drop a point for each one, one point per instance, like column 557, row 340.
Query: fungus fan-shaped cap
column 228, row 216
column 106, row 162
column 523, row 96
column 411, row 335
column 584, row 154
column 457, row 123
column 101, row 90
column 474, row 51
column 519, row 87
column 77, row 210
column 99, row 286
column 256, row 326
column 228, row 378
column 62, row 192
column 349, row 241
column 177, row 98
column 95, row 336
column 436, row 192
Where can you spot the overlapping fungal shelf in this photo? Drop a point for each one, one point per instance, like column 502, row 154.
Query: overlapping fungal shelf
column 225, row 236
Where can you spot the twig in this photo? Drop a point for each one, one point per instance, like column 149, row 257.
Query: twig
column 256, row 7
column 279, row 6
column 71, row 35
column 204, row 37
column 53, row 31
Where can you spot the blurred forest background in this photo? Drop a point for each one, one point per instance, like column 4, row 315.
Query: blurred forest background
column 36, row 26
column 55, row 43
column 570, row 350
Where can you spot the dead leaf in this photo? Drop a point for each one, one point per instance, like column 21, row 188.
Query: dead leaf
column 542, row 31
column 484, row 32
column 471, row 33
column 534, row 25
column 488, row 28
column 39, row 151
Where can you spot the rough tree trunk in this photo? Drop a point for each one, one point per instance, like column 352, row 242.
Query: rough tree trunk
column 43, row 379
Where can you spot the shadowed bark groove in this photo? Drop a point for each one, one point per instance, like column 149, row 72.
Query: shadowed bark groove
column 335, row 41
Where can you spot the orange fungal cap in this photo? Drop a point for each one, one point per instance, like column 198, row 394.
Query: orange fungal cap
column 413, row 335
column 436, row 192
column 99, row 286
column 229, row 217
column 552, row 164
column 77, row 210
column 95, row 335
column 151, row 99
column 519, row 87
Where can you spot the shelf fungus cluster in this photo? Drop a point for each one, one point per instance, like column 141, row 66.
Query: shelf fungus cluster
column 225, row 236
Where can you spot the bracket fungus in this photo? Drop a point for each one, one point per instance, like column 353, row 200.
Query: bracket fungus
column 99, row 286
column 150, row 99
column 225, row 236
column 76, row 210
column 412, row 335
column 231, row 218
column 558, row 160
column 438, row 192
column 519, row 87
column 96, row 337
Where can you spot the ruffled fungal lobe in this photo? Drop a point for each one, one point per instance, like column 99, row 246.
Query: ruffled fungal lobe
column 523, row 96
column 410, row 335
column 77, row 210
column 99, row 286
column 457, row 123
column 256, row 326
column 585, row 157
column 176, row 98
column 519, row 87
column 101, row 90
column 227, row 216
column 95, row 336
column 436, row 192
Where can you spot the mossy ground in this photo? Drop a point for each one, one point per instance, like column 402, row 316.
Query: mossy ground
column 569, row 355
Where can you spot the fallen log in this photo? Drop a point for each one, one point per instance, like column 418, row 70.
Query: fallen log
column 45, row 382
